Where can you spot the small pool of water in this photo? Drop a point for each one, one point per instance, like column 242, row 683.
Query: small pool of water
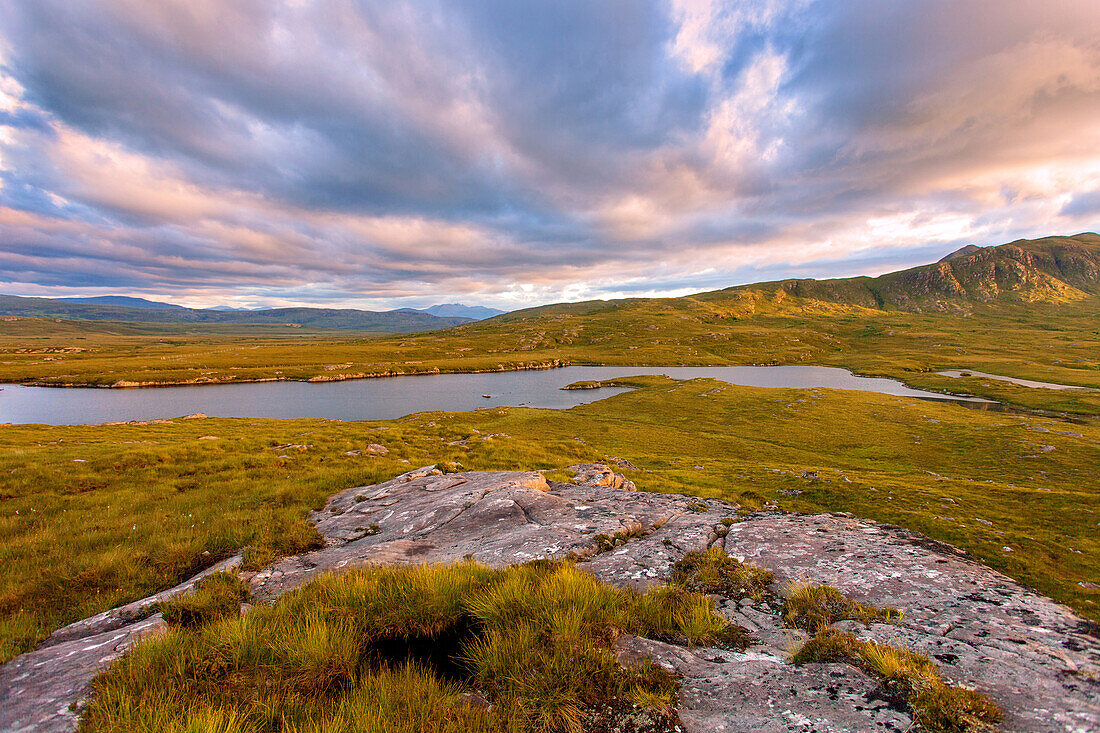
column 383, row 399
column 1014, row 380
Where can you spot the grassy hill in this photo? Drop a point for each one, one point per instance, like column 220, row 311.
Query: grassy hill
column 1051, row 270
column 396, row 321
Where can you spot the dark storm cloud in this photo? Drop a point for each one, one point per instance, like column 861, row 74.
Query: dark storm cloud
column 331, row 148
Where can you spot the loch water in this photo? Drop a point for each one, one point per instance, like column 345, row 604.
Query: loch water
column 391, row 397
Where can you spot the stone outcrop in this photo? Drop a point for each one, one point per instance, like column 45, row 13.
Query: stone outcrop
column 1034, row 657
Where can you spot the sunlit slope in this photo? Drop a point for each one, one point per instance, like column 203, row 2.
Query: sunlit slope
column 1052, row 269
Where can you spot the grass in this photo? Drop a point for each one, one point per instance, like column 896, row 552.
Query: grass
column 712, row 571
column 814, row 607
column 910, row 678
column 644, row 380
column 92, row 517
column 216, row 596
column 394, row 649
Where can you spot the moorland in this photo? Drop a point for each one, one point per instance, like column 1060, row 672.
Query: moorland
column 95, row 516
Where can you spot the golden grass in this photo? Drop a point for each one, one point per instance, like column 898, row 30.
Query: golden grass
column 814, row 607
column 912, row 678
column 92, row 517
column 218, row 595
column 712, row 571
column 393, row 649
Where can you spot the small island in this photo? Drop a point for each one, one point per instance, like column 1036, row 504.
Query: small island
column 642, row 380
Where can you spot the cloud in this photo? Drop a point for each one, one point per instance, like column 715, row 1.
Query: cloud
column 369, row 153
column 1085, row 203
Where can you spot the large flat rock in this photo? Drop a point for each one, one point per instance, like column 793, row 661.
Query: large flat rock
column 1034, row 657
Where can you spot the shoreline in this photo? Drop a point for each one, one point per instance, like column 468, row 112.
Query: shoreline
column 968, row 400
column 318, row 379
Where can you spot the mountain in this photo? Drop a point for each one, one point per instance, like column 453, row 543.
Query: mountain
column 123, row 301
column 1051, row 269
column 398, row 321
column 960, row 252
column 458, row 310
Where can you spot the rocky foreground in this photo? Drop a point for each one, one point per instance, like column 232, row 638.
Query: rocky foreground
column 1034, row 657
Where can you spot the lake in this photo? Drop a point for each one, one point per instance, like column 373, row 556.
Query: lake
column 381, row 399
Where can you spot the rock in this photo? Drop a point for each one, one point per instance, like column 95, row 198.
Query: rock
column 210, row 437
column 598, row 474
column 40, row 690
column 474, row 700
column 195, row 416
column 1034, row 657
column 378, row 450
column 761, row 691
column 623, row 463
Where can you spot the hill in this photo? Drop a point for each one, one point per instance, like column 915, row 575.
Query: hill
column 124, row 301
column 109, row 309
column 1051, row 270
column 1048, row 270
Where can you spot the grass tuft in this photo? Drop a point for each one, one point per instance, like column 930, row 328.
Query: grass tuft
column 826, row 646
column 393, row 649
column 714, row 572
column 911, row 678
column 216, row 596
column 815, row 607
column 939, row 707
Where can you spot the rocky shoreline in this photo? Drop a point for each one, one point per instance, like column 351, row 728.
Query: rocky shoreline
column 1038, row 660
column 317, row 379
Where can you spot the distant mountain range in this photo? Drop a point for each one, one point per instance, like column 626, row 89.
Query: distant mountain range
column 140, row 310
column 458, row 310
column 121, row 300
column 1051, row 269
column 397, row 321
column 443, row 310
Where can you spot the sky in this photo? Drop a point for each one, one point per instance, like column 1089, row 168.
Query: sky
column 403, row 153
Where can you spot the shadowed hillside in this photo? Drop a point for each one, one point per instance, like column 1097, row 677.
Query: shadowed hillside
column 105, row 309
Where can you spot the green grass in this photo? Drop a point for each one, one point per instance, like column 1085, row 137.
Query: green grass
column 392, row 649
column 92, row 517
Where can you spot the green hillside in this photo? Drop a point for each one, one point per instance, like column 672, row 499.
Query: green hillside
column 1051, row 270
